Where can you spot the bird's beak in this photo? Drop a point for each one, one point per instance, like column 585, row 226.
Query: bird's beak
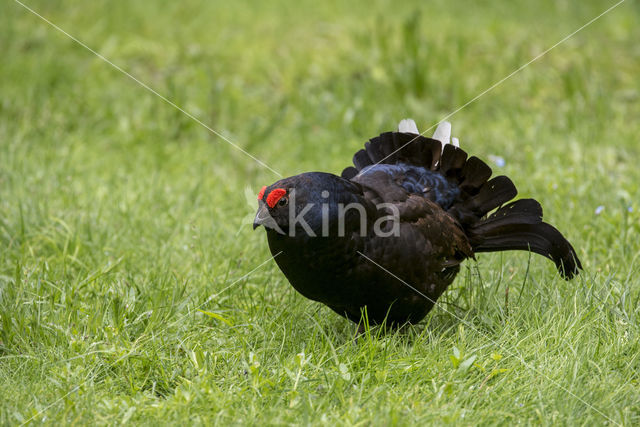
column 264, row 218
column 262, row 215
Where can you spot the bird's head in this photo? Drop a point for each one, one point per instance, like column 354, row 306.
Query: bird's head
column 311, row 204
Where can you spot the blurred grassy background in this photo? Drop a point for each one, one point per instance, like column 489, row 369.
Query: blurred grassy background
column 119, row 215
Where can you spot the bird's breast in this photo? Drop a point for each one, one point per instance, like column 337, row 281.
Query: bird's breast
column 315, row 266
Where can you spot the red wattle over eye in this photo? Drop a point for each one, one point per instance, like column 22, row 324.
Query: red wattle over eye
column 274, row 196
column 261, row 193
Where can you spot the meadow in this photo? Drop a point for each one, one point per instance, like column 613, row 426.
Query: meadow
column 133, row 288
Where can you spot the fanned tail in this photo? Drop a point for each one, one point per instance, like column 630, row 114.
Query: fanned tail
column 515, row 226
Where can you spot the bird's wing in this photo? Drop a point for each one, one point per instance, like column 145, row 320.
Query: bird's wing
column 419, row 199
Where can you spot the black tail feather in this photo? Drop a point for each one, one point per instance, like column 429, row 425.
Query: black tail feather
column 494, row 193
column 394, row 147
column 519, row 226
column 452, row 162
column 474, row 174
column 522, row 211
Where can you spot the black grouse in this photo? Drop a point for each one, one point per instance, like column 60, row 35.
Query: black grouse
column 389, row 234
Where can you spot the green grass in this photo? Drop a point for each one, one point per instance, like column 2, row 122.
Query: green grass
column 120, row 217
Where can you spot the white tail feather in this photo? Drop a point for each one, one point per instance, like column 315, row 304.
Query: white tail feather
column 408, row 126
column 443, row 133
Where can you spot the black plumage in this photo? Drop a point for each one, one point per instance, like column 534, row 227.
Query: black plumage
column 446, row 209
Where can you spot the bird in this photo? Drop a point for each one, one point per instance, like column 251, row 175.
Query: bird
column 385, row 239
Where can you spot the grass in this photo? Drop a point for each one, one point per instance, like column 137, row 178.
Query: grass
column 127, row 283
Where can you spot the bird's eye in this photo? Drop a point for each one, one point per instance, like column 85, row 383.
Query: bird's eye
column 283, row 201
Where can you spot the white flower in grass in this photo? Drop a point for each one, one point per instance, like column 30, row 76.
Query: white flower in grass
column 497, row 160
